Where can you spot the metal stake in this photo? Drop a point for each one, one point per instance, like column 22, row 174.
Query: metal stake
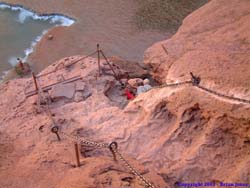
column 195, row 79
column 34, row 78
column 99, row 64
column 112, row 69
column 77, row 155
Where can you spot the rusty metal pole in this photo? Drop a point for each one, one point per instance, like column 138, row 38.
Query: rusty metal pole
column 58, row 137
column 99, row 63
column 112, row 69
column 77, row 155
column 34, row 78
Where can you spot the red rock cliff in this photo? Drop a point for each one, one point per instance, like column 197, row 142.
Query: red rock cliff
column 170, row 134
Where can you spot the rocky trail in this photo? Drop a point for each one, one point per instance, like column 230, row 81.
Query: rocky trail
column 63, row 102
column 186, row 129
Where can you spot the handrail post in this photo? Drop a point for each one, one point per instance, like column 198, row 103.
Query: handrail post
column 77, row 155
column 110, row 66
column 35, row 82
column 99, row 64
column 195, row 79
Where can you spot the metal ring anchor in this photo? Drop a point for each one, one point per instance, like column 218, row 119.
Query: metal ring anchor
column 112, row 147
column 55, row 130
column 195, row 79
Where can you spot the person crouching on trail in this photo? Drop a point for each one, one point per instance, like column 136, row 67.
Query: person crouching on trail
column 144, row 87
column 129, row 94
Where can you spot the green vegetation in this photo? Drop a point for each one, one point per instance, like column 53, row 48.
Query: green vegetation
column 164, row 14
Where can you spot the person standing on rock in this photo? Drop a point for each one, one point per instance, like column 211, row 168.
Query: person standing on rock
column 20, row 63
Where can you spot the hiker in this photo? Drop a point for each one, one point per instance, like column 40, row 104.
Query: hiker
column 143, row 87
column 20, row 63
column 129, row 94
column 135, row 82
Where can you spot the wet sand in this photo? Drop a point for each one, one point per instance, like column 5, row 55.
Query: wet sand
column 106, row 22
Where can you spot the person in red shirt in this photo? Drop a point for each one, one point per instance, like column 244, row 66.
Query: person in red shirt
column 130, row 95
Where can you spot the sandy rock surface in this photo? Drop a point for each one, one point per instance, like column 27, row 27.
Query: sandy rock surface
column 170, row 134
column 213, row 42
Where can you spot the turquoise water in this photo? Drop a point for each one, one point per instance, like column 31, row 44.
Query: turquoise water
column 20, row 30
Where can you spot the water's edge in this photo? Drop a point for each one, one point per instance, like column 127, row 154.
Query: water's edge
column 36, row 15
column 59, row 19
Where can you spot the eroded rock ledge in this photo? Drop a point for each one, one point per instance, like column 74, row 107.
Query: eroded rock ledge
column 177, row 134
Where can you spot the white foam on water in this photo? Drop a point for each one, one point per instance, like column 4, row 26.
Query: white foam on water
column 58, row 20
column 12, row 61
column 25, row 13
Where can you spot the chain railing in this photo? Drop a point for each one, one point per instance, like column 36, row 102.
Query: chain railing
column 79, row 140
column 174, row 84
column 223, row 95
column 113, row 147
column 195, row 81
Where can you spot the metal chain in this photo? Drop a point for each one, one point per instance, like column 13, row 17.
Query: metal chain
column 85, row 142
column 173, row 84
column 116, row 152
column 132, row 169
column 176, row 84
column 195, row 81
column 222, row 95
column 55, row 129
